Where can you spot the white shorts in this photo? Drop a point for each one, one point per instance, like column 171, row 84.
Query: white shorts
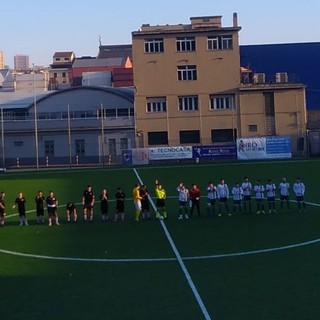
column 137, row 205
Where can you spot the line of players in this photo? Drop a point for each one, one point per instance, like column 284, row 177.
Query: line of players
column 242, row 197
column 51, row 204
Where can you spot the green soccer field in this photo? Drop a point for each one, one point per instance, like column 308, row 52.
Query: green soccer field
column 240, row 267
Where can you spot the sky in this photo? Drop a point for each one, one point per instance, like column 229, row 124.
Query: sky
column 39, row 28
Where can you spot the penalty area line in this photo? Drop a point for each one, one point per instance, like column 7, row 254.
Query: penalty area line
column 179, row 258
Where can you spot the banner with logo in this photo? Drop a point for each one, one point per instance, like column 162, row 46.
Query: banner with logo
column 215, row 152
column 169, row 153
column 135, row 156
column 264, row 148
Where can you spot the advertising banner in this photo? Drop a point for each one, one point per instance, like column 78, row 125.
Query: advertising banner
column 135, row 156
column 264, row 148
column 215, row 152
column 169, row 153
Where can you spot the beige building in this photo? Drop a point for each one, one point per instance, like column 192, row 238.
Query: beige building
column 61, row 70
column 190, row 88
column 1, row 60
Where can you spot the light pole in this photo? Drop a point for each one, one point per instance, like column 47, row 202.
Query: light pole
column 35, row 120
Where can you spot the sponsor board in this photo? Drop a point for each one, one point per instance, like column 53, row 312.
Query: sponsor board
column 264, row 148
column 167, row 153
column 215, row 152
column 135, row 156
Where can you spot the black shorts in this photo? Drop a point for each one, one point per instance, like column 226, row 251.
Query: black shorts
column 87, row 206
column 300, row 198
column 145, row 205
column 247, row 198
column 271, row 199
column 52, row 211
column 120, row 207
column 211, row 202
column 160, row 203
column 223, row 199
column 284, row 197
column 40, row 212
column 2, row 213
column 237, row 202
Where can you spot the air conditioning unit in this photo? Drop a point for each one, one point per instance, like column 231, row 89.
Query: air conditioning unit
column 281, row 77
column 259, row 78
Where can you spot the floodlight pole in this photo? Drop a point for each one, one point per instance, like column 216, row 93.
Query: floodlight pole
column 35, row 120
column 2, row 140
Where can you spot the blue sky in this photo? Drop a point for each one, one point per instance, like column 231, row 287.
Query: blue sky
column 39, row 28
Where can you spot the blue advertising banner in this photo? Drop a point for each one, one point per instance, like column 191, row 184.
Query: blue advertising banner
column 227, row 151
column 264, row 148
column 127, row 157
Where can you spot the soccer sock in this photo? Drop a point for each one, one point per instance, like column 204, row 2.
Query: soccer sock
column 115, row 217
column 137, row 214
column 164, row 214
column 122, row 216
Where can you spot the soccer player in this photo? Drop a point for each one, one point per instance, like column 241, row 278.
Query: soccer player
column 104, row 206
column 271, row 196
column 211, row 199
column 71, row 211
column 194, row 195
column 237, row 193
column 247, row 190
column 284, row 193
column 20, row 202
column 259, row 190
column 161, row 203
column 145, row 206
column 52, row 203
column 183, row 196
column 40, row 200
column 120, row 198
column 137, row 201
column 2, row 209
column 299, row 190
column 88, row 199
column 223, row 195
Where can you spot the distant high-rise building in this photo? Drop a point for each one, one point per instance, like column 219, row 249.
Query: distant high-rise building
column 1, row 60
column 21, row 62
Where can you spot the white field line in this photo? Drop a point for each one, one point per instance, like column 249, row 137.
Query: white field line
column 179, row 258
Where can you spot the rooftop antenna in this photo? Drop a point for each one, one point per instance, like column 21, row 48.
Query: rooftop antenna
column 100, row 40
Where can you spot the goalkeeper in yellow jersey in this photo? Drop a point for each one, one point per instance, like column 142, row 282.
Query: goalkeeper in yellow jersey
column 137, row 201
column 160, row 203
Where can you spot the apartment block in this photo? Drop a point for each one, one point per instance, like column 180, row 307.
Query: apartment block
column 190, row 89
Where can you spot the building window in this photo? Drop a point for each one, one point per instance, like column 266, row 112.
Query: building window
column 186, row 44
column 18, row 143
column 220, row 42
column 80, row 147
column 153, row 45
column 123, row 113
column 223, row 135
column 63, row 74
column 156, row 104
column 49, row 147
column 157, row 138
column 188, row 103
column 112, row 147
column 190, row 136
column 187, row 73
column 124, row 143
column 55, row 75
column 218, row 102
column 253, row 128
